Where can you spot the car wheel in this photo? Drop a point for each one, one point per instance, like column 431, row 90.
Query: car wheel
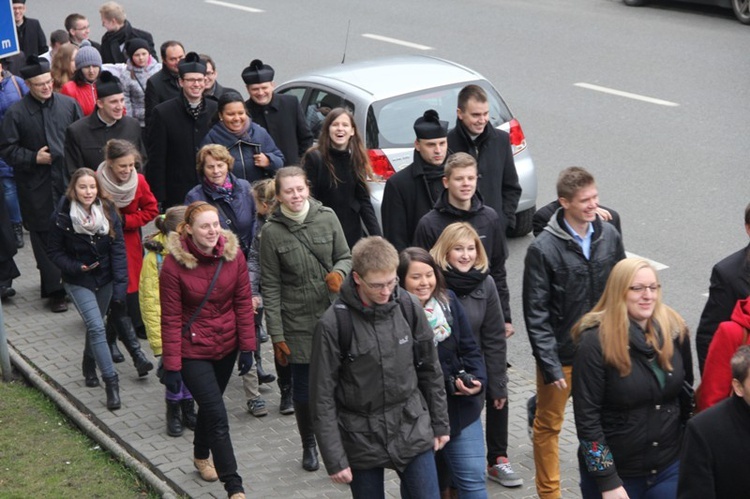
column 634, row 3
column 523, row 223
column 741, row 9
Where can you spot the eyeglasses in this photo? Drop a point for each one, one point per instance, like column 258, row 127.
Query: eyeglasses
column 381, row 286
column 642, row 289
column 192, row 81
column 43, row 84
column 82, row 28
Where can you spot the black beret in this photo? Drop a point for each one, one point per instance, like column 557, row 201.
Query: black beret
column 34, row 66
column 19, row 1
column 429, row 126
column 135, row 44
column 257, row 72
column 191, row 64
column 107, row 84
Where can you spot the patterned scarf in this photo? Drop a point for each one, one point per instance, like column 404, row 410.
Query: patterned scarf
column 225, row 191
column 437, row 320
column 194, row 111
column 90, row 223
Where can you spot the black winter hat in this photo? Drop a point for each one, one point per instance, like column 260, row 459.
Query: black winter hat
column 257, row 72
column 135, row 44
column 35, row 66
column 191, row 64
column 107, row 84
column 429, row 126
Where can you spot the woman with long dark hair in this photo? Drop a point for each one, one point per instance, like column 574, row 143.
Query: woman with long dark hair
column 338, row 169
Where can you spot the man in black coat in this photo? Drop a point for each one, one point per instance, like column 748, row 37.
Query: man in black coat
column 78, row 28
column 31, row 39
column 32, row 142
column 716, row 446
column 281, row 115
column 730, row 281
column 164, row 85
column 177, row 129
column 214, row 90
column 543, row 215
column 85, row 139
column 474, row 134
column 412, row 192
column 119, row 31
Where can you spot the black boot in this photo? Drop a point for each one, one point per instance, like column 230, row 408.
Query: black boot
column 117, row 355
column 285, row 405
column 263, row 376
column 188, row 413
column 18, row 232
column 309, row 448
column 126, row 333
column 174, row 419
column 88, row 366
column 112, row 387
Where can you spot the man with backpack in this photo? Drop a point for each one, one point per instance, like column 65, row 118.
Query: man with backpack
column 377, row 393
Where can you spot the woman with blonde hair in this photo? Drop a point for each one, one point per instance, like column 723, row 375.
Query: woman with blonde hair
column 461, row 255
column 631, row 374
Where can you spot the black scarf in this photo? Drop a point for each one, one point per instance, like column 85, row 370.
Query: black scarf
column 463, row 283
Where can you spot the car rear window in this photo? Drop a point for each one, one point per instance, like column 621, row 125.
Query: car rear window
column 390, row 122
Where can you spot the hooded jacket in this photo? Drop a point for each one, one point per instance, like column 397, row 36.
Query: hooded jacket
column 560, row 285
column 375, row 409
column 148, row 292
column 225, row 323
column 716, row 383
column 134, row 82
column 295, row 294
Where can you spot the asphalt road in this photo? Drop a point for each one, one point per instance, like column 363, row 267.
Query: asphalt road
column 676, row 173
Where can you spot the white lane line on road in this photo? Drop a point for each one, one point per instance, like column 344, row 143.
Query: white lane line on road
column 396, row 41
column 235, row 6
column 657, row 265
column 620, row 93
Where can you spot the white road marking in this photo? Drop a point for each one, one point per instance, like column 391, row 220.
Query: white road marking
column 396, row 41
column 657, row 265
column 628, row 95
column 235, row 6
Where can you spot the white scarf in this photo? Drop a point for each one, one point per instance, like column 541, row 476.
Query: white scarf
column 90, row 223
column 122, row 194
column 437, row 320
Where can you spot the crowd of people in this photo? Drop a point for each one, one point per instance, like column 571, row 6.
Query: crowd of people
column 390, row 339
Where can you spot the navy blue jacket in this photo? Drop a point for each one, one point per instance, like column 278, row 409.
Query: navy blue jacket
column 9, row 94
column 456, row 352
column 237, row 215
column 69, row 251
column 242, row 152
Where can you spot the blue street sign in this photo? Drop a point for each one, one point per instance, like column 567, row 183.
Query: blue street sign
column 8, row 33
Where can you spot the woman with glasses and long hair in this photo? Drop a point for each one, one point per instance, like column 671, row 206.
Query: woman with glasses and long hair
column 631, row 374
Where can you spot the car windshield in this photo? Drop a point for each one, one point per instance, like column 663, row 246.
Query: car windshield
column 390, row 122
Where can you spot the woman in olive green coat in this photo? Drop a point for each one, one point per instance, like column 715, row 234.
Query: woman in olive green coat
column 304, row 258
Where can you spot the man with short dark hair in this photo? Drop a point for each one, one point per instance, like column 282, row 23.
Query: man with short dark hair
column 385, row 344
column 31, row 38
column 119, row 31
column 716, row 446
column 474, row 134
column 412, row 192
column 214, row 90
column 165, row 84
column 85, row 139
column 730, row 281
column 565, row 271
column 32, row 142
column 177, row 129
column 78, row 29
column 281, row 115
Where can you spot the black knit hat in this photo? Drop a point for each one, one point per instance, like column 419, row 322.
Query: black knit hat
column 135, row 44
column 429, row 126
column 191, row 64
column 34, row 66
column 107, row 84
column 257, row 72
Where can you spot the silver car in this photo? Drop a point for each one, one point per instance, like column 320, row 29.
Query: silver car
column 387, row 95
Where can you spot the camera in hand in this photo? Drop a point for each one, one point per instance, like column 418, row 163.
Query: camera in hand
column 466, row 378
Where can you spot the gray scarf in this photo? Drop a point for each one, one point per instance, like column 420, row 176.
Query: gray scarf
column 122, row 194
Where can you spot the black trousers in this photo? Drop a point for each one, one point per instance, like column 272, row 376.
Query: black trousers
column 496, row 433
column 49, row 274
column 207, row 380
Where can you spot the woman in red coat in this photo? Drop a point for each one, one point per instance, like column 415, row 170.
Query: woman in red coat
column 203, row 328
column 137, row 205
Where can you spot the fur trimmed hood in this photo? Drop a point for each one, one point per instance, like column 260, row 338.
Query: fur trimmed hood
column 226, row 248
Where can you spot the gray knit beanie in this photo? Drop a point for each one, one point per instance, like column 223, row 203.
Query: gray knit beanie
column 87, row 56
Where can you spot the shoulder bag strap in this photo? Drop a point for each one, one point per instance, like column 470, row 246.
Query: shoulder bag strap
column 320, row 261
column 186, row 327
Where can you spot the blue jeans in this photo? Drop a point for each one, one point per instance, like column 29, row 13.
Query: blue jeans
column 465, row 454
column 418, row 481
column 93, row 306
column 11, row 200
column 663, row 485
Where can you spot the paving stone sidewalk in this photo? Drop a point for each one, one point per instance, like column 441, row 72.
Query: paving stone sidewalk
column 268, row 449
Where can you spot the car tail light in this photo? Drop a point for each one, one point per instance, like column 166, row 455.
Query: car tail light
column 380, row 163
column 517, row 138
